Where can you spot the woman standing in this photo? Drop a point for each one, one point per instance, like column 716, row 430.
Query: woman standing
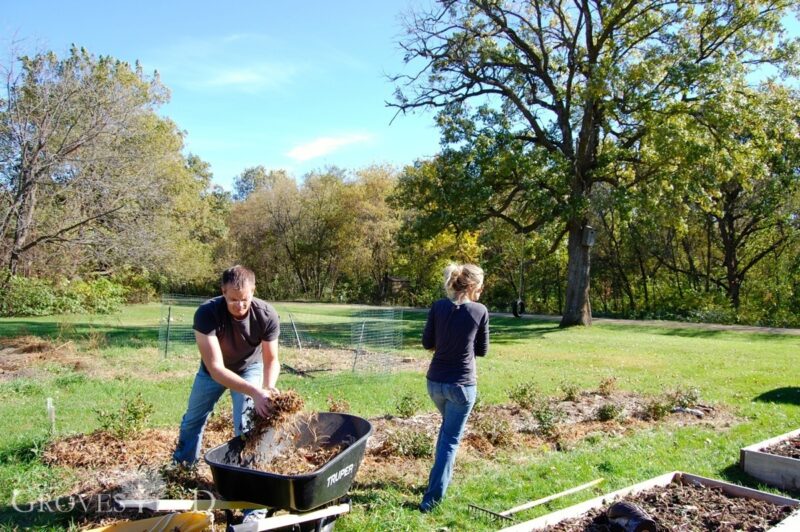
column 457, row 330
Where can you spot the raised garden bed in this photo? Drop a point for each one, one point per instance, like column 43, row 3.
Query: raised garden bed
column 577, row 514
column 774, row 462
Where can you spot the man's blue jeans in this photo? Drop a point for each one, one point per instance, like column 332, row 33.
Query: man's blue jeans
column 454, row 403
column 205, row 394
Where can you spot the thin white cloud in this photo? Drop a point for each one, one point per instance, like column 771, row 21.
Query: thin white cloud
column 252, row 78
column 233, row 62
column 325, row 145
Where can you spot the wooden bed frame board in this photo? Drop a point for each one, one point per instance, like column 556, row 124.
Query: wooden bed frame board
column 774, row 470
column 790, row 523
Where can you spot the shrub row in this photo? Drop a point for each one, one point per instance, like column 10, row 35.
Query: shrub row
column 27, row 296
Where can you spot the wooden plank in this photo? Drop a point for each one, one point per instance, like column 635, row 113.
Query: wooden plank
column 580, row 508
column 182, row 505
column 662, row 480
column 774, row 470
column 543, row 500
column 739, row 491
column 281, row 521
column 766, row 443
column 790, row 524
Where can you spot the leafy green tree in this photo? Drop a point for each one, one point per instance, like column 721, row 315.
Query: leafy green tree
column 252, row 179
column 577, row 88
column 742, row 160
column 68, row 126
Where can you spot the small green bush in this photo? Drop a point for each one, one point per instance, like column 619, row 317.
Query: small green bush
column 547, row 415
column 407, row 406
column 409, row 443
column 69, row 380
column 608, row 412
column 608, row 385
column 131, row 417
column 656, row 408
column 524, row 395
column 497, row 431
column 684, row 397
column 572, row 391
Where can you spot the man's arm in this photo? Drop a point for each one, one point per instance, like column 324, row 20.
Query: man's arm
column 272, row 367
column 208, row 344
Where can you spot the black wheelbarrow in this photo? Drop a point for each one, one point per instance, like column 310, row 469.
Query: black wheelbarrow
column 236, row 479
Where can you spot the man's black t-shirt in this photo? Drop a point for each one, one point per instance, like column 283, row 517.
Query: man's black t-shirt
column 240, row 340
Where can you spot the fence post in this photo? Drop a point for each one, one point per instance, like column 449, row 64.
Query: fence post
column 296, row 334
column 169, row 323
column 360, row 345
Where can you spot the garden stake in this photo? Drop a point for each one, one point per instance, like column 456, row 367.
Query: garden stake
column 51, row 415
column 506, row 515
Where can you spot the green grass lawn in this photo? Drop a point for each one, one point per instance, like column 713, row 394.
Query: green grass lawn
column 756, row 376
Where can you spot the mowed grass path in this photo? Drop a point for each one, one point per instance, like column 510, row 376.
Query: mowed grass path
column 756, row 376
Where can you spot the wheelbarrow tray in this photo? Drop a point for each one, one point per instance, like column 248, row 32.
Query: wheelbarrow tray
column 235, row 481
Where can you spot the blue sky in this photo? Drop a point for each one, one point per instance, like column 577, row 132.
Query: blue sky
column 293, row 85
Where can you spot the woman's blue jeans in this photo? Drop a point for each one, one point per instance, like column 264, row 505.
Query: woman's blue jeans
column 205, row 394
column 454, row 402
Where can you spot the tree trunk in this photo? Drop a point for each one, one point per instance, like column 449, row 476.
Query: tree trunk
column 23, row 225
column 577, row 309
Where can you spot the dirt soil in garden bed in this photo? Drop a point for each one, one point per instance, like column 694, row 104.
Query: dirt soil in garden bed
column 687, row 508
column 789, row 448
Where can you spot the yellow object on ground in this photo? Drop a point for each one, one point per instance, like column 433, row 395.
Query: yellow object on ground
column 178, row 522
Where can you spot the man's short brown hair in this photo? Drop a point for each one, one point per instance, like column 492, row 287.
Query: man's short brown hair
column 238, row 277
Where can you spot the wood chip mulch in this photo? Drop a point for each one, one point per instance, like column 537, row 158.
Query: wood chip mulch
column 286, row 417
column 101, row 449
column 687, row 508
column 789, row 448
column 21, row 355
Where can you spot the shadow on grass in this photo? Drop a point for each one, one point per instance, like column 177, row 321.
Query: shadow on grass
column 734, row 474
column 789, row 395
column 23, row 450
column 114, row 335
column 690, row 330
column 33, row 515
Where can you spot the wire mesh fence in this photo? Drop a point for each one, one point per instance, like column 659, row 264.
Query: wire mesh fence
column 318, row 342
column 175, row 331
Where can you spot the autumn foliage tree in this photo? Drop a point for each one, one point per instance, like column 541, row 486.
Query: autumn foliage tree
column 577, row 88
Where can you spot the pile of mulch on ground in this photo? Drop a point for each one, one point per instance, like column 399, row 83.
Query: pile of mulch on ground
column 687, row 508
column 19, row 355
column 102, row 449
column 789, row 448
column 153, row 447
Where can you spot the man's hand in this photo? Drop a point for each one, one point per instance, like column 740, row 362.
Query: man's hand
column 262, row 402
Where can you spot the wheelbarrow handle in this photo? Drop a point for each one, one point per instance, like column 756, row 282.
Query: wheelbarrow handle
column 183, row 505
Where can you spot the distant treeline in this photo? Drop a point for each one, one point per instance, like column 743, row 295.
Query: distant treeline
column 96, row 186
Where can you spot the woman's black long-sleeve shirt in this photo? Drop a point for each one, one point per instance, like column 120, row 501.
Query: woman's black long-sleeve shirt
column 458, row 333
